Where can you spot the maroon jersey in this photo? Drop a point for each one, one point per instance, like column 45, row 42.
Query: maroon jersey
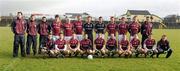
column 135, row 42
column 111, row 28
column 68, row 29
column 122, row 29
column 111, row 42
column 99, row 43
column 78, row 27
column 73, row 43
column 19, row 26
column 56, row 28
column 43, row 28
column 85, row 43
column 32, row 28
column 134, row 28
column 124, row 44
column 50, row 44
column 60, row 43
column 146, row 28
column 149, row 43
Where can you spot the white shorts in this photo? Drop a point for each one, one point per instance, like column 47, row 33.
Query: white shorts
column 97, row 35
column 131, row 37
column 79, row 37
column 108, row 37
column 67, row 38
column 120, row 37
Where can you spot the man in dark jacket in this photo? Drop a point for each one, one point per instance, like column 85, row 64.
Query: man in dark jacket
column 18, row 27
column 44, row 30
column 146, row 29
column 164, row 47
column 32, row 35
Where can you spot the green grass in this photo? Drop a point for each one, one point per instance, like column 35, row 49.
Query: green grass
column 8, row 63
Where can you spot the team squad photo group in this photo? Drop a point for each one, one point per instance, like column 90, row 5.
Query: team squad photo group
column 75, row 39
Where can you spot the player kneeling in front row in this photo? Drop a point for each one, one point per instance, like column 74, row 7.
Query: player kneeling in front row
column 149, row 46
column 49, row 46
column 111, row 45
column 124, row 48
column 86, row 46
column 74, row 46
column 99, row 45
column 164, row 47
column 60, row 47
column 135, row 46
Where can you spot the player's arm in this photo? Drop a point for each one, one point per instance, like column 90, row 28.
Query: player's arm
column 68, row 45
column 78, row 45
column 94, row 46
column 128, row 47
column 144, row 44
column 95, row 27
column 104, row 44
column 49, row 29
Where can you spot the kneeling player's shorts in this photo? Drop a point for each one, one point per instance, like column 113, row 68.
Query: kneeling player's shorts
column 67, row 38
column 99, row 48
column 86, row 48
column 111, row 48
column 61, row 49
column 124, row 48
column 73, row 47
column 79, row 37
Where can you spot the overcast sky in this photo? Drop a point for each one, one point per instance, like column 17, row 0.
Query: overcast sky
column 93, row 7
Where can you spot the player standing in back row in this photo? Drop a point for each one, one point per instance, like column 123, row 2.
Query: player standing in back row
column 78, row 28
column 146, row 30
column 134, row 28
column 88, row 28
column 111, row 27
column 100, row 27
column 122, row 28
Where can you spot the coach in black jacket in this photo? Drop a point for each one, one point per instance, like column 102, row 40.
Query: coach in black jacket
column 164, row 47
column 146, row 30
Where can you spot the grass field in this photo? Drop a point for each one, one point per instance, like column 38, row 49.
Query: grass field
column 8, row 63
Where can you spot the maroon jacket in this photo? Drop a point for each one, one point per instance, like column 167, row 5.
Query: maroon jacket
column 44, row 28
column 18, row 26
column 32, row 28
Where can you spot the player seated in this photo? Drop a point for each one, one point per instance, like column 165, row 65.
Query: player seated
column 124, row 48
column 74, row 45
column 149, row 46
column 86, row 46
column 164, row 47
column 135, row 46
column 49, row 46
column 111, row 45
column 99, row 45
column 60, row 47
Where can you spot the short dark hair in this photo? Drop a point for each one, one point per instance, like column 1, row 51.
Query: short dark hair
column 20, row 13
column 111, row 17
column 100, row 17
column 89, row 17
column 32, row 15
column 147, row 17
column 43, row 17
column 56, row 16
